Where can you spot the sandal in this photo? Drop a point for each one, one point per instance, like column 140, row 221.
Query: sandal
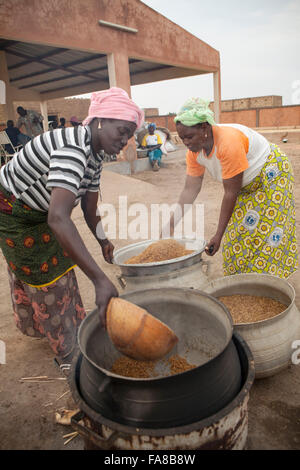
column 64, row 367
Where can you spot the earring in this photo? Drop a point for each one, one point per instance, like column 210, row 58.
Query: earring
column 99, row 125
column 205, row 136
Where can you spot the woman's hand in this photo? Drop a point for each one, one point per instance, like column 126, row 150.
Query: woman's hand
column 107, row 250
column 104, row 290
column 213, row 246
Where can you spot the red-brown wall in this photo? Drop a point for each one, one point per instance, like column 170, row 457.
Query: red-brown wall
column 282, row 116
column 245, row 117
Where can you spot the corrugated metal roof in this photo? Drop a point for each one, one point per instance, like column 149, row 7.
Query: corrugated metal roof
column 43, row 68
column 27, row 70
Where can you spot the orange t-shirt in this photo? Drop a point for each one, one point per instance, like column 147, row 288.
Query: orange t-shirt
column 231, row 154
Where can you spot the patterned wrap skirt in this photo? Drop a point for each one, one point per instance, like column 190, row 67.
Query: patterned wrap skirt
column 261, row 234
column 28, row 244
column 54, row 312
column 44, row 291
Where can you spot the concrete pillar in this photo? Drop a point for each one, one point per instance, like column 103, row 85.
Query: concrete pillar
column 9, row 108
column 217, row 96
column 257, row 117
column 44, row 113
column 2, row 92
column 119, row 76
column 118, row 71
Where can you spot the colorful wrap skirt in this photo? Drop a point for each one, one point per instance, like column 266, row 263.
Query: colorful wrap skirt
column 261, row 234
column 54, row 312
column 44, row 291
column 29, row 246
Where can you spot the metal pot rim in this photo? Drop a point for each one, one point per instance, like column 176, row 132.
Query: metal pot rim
column 134, row 379
column 157, row 263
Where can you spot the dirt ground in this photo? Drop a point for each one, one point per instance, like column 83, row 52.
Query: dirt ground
column 27, row 409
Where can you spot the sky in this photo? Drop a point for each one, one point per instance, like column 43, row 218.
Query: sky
column 258, row 41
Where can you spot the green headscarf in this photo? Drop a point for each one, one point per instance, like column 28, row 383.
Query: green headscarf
column 194, row 111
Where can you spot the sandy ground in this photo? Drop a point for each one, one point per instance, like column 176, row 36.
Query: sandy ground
column 27, row 410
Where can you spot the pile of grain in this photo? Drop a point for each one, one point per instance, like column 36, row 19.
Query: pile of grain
column 145, row 369
column 251, row 308
column 160, row 251
column 130, row 368
column 179, row 364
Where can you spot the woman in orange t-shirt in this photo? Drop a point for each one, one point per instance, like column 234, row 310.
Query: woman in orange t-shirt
column 257, row 217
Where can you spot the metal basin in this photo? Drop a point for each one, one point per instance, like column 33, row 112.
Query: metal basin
column 204, row 328
column 270, row 340
column 188, row 271
column 147, row 269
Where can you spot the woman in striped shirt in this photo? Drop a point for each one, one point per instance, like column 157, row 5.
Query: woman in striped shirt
column 39, row 188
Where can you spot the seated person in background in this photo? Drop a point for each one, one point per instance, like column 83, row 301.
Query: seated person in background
column 53, row 125
column 152, row 141
column 12, row 133
column 16, row 137
column 62, row 123
column 74, row 121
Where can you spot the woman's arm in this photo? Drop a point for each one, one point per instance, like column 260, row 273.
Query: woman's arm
column 188, row 195
column 232, row 187
column 89, row 207
column 59, row 220
column 153, row 147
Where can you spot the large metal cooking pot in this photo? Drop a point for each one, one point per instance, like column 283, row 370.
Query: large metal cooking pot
column 204, row 328
column 226, row 429
column 187, row 271
column 270, row 340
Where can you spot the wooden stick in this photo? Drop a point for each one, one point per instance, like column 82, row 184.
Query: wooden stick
column 41, row 379
column 38, row 377
column 68, row 391
column 67, row 442
column 70, row 434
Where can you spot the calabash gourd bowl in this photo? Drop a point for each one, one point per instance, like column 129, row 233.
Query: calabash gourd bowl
column 136, row 333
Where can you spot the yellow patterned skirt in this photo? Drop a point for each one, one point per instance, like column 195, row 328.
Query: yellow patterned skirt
column 261, row 234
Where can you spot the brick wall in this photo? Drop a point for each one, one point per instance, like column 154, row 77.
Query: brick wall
column 279, row 116
column 162, row 121
column 260, row 117
column 249, row 103
column 246, row 117
column 265, row 101
column 151, row 112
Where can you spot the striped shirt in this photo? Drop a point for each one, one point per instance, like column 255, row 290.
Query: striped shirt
column 60, row 158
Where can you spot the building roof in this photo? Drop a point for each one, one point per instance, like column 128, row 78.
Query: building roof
column 60, row 49
column 48, row 69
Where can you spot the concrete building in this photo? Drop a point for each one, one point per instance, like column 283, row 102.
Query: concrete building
column 53, row 49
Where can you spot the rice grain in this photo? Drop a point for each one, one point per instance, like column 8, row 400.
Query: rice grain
column 251, row 308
